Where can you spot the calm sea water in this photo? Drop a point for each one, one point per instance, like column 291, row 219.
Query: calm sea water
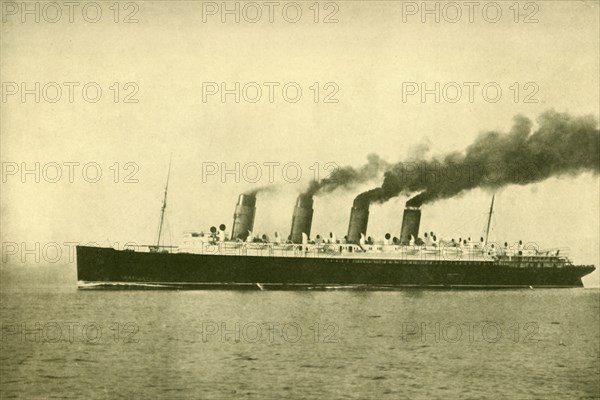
column 58, row 342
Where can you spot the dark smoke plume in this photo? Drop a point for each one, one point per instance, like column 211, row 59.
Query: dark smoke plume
column 347, row 177
column 260, row 189
column 562, row 145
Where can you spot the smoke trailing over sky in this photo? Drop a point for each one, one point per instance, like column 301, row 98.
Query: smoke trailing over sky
column 347, row 177
column 562, row 145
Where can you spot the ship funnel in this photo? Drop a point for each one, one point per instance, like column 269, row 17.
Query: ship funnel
column 302, row 218
column 359, row 219
column 410, row 224
column 243, row 218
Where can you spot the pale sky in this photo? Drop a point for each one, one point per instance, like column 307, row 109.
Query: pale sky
column 368, row 55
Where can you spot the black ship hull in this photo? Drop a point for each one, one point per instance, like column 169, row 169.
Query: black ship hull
column 120, row 269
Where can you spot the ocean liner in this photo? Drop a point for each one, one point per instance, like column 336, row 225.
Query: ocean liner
column 218, row 259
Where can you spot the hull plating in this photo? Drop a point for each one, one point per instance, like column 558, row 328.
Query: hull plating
column 114, row 269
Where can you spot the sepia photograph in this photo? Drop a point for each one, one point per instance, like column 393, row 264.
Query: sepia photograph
column 310, row 199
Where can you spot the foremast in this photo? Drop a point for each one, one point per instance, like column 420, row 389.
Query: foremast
column 489, row 222
column 164, row 206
